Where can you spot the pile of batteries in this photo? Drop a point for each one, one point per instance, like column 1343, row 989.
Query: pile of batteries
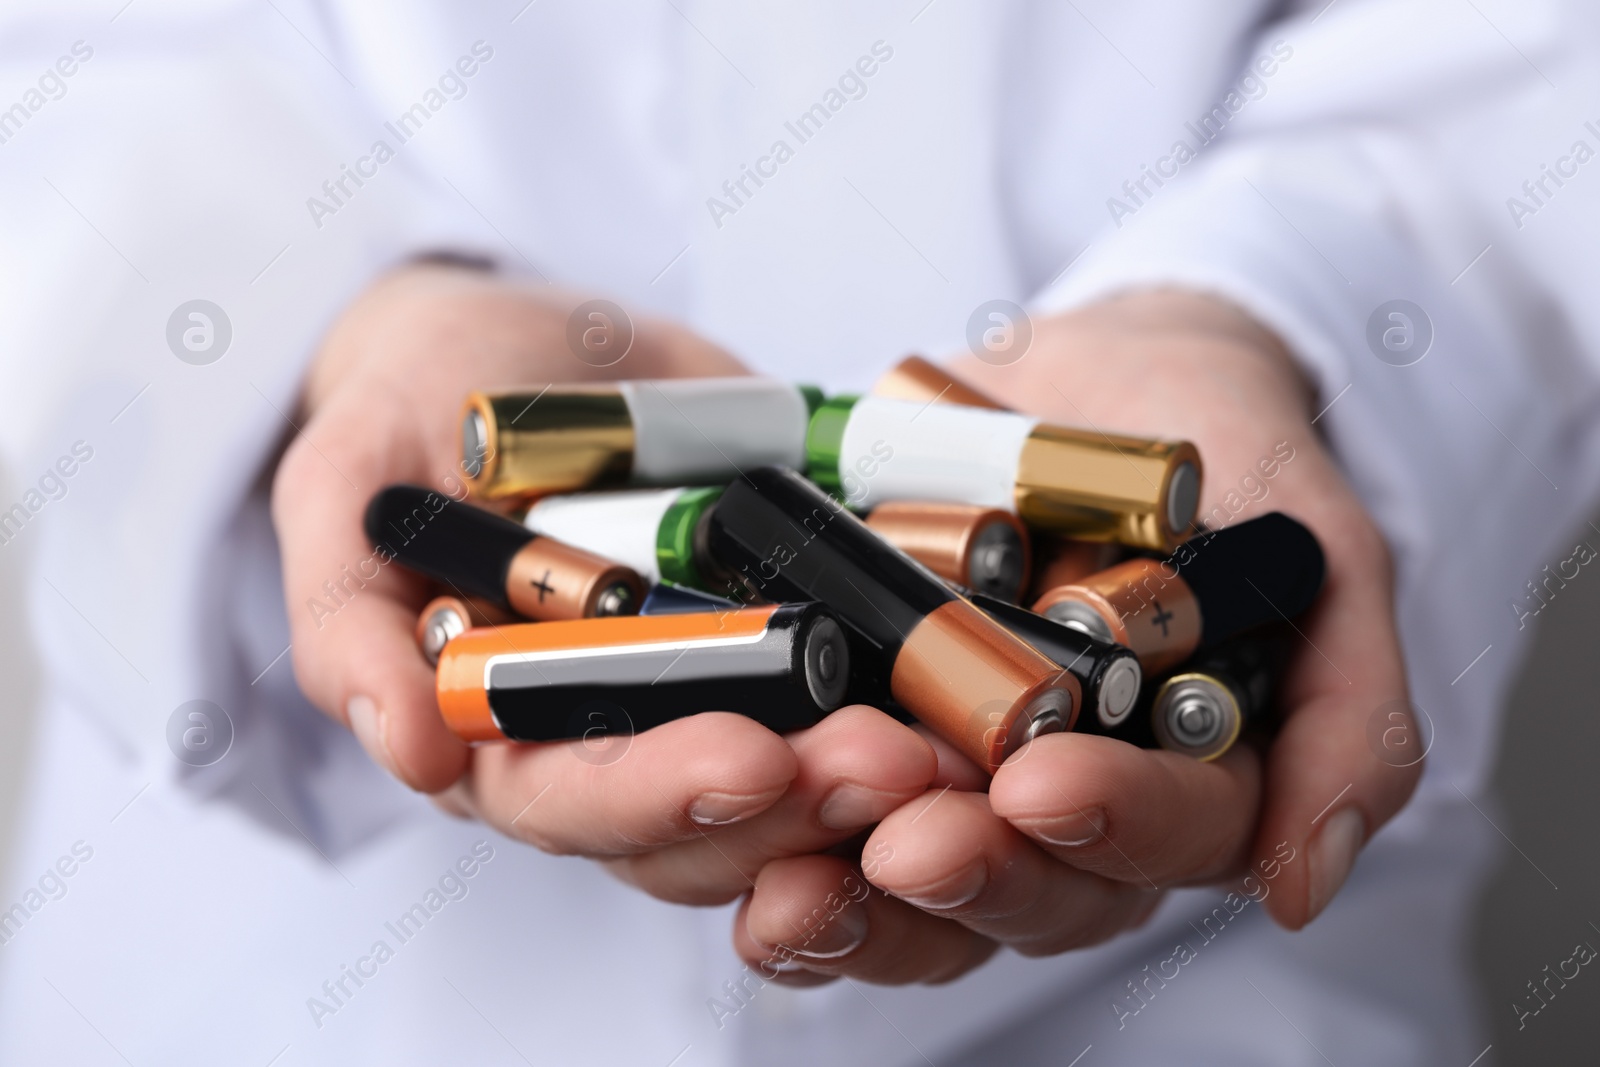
column 751, row 585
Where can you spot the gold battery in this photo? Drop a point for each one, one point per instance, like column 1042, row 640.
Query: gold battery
column 980, row 548
column 1081, row 483
column 518, row 444
column 1099, row 487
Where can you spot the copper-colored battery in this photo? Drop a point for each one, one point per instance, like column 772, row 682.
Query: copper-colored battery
column 447, row 617
column 549, row 579
column 1062, row 561
column 1141, row 603
column 978, row 686
column 965, row 676
column 1215, row 587
column 480, row 554
column 985, row 549
column 914, row 378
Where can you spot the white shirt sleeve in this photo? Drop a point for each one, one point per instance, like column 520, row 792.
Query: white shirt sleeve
column 1366, row 203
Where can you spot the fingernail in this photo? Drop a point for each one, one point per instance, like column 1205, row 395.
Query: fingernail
column 1079, row 828
column 850, row 807
column 835, row 936
column 1333, row 853
column 962, row 888
column 719, row 809
column 367, row 725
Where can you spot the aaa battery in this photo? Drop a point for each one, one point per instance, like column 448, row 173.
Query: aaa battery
column 480, row 554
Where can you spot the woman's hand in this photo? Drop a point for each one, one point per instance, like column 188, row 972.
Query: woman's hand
column 1078, row 835
column 690, row 810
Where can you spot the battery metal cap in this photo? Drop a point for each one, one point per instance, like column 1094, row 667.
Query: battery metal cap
column 447, row 617
column 1197, row 715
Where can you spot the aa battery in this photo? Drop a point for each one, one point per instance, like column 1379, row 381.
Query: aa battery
column 671, row 432
column 1215, row 586
column 480, row 554
column 978, row 548
column 783, row 665
column 660, row 533
column 1202, row 710
column 447, row 617
column 914, row 378
column 1109, row 674
column 973, row 682
column 1078, row 483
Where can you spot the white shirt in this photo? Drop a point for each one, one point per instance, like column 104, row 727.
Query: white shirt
column 934, row 157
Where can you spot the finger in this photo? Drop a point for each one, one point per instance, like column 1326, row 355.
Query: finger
column 955, row 769
column 1329, row 783
column 817, row 913
column 1151, row 818
column 351, row 612
column 955, row 858
column 855, row 766
column 668, row 784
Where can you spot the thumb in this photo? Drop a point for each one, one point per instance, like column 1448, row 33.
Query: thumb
column 1332, row 780
column 352, row 614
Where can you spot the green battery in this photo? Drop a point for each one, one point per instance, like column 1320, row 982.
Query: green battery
column 658, row 532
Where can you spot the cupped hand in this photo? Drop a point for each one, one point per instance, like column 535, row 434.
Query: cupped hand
column 1077, row 836
column 690, row 810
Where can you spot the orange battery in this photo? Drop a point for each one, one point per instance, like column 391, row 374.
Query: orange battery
column 784, row 665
